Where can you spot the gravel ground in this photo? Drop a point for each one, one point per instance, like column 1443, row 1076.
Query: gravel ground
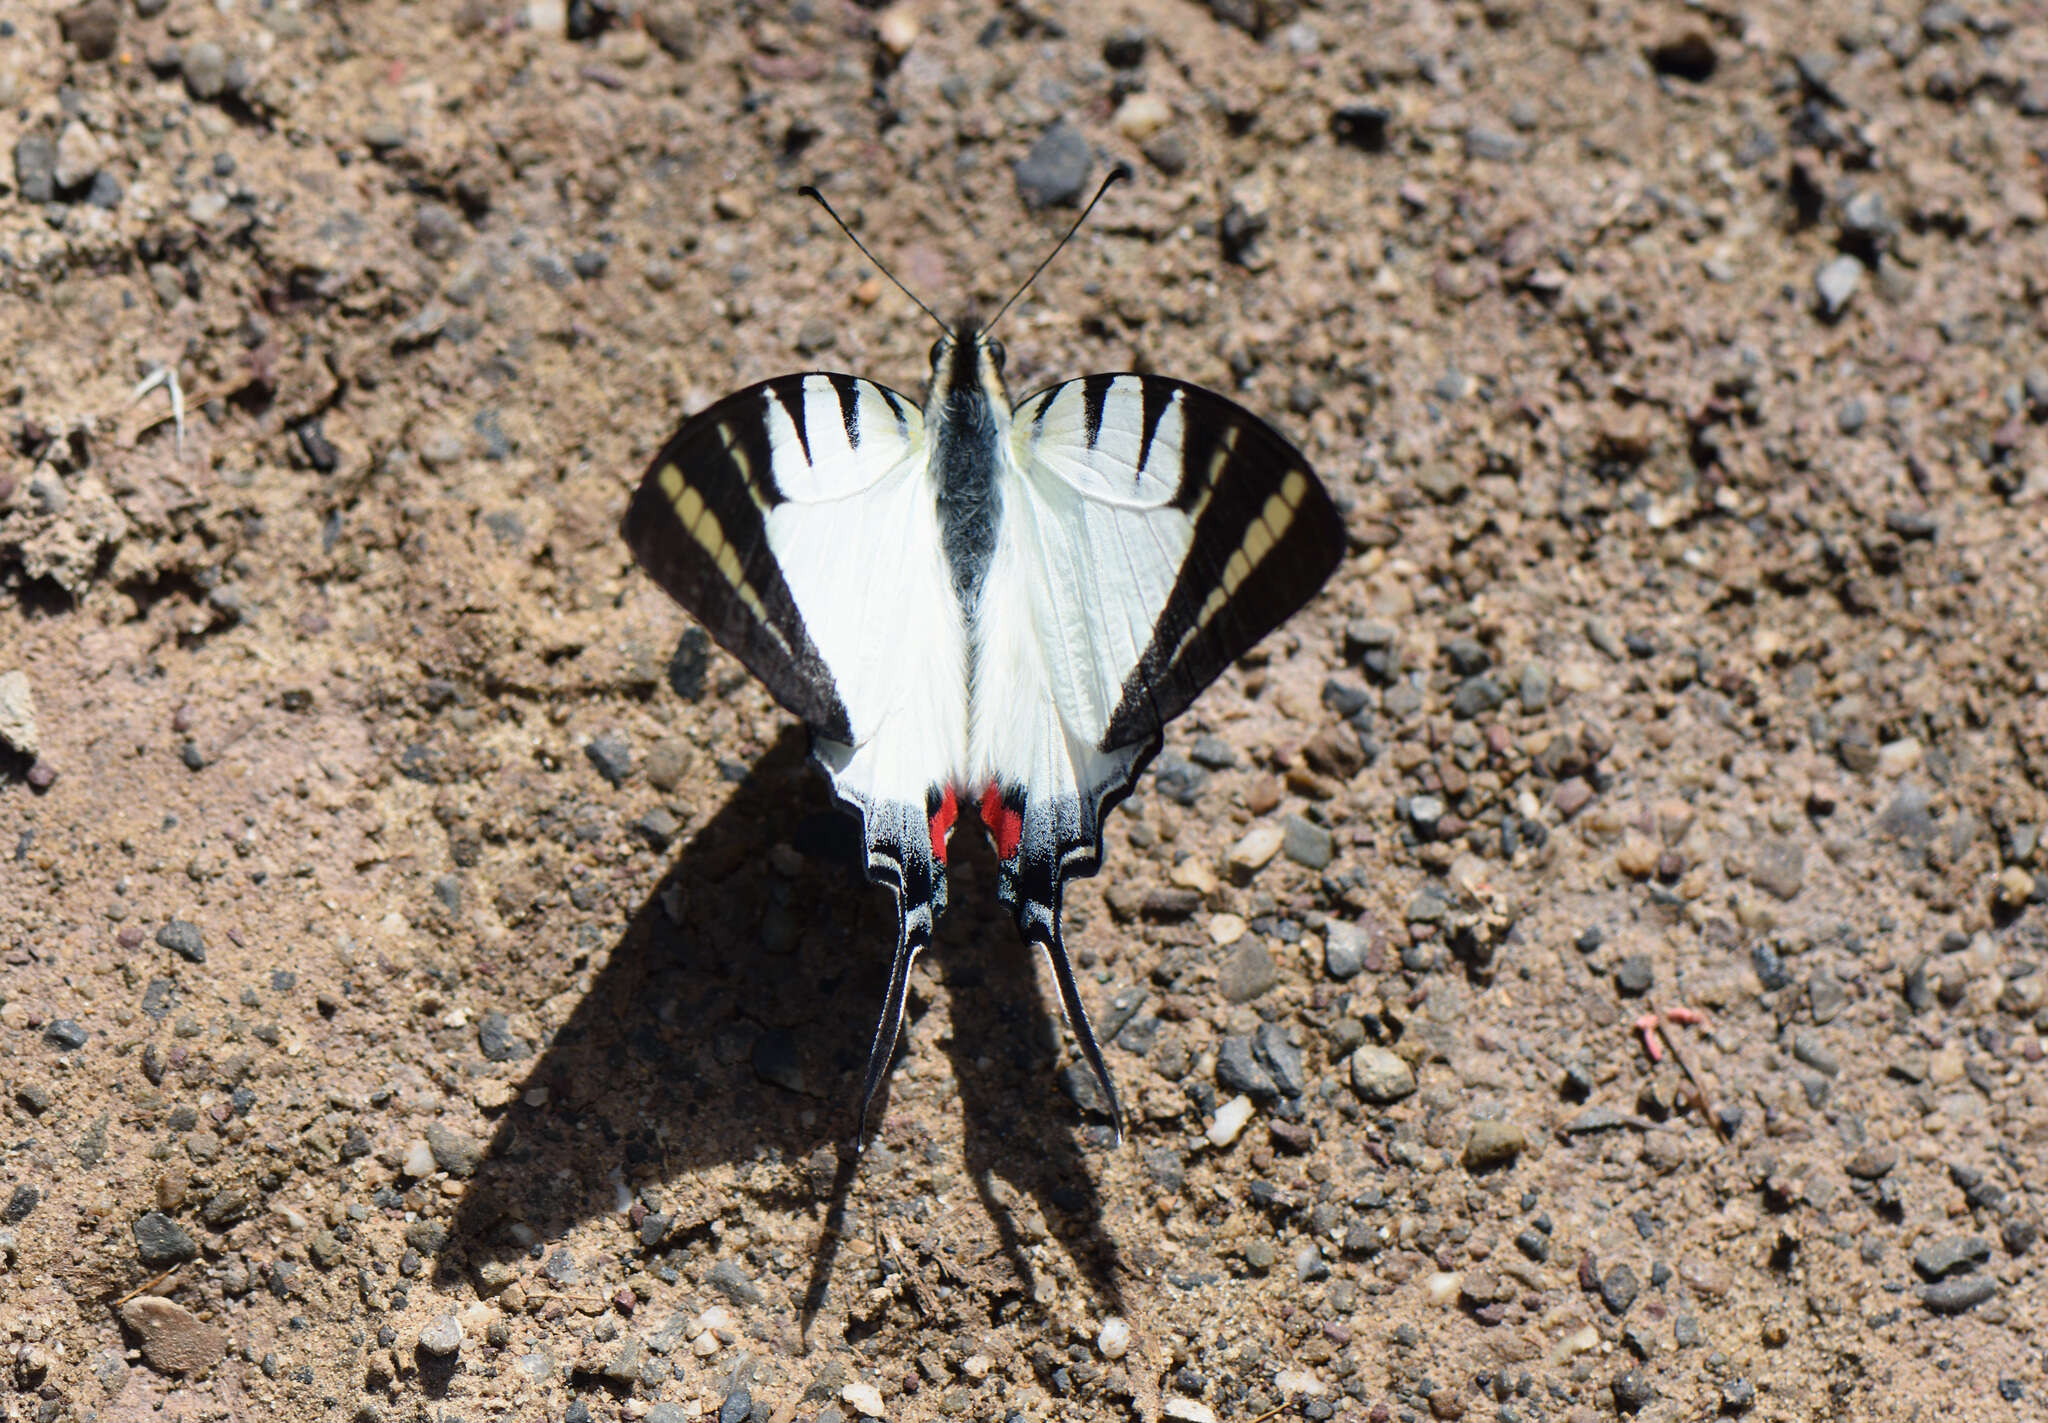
column 1588, row 963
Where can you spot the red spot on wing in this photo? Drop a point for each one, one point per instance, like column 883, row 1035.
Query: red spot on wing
column 1005, row 824
column 942, row 825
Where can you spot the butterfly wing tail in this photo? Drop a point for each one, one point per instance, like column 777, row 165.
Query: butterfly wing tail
column 1041, row 925
column 899, row 856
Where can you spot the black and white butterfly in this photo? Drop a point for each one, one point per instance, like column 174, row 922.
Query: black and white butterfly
column 980, row 608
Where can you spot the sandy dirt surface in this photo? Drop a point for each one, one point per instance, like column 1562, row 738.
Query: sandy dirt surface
column 434, row 983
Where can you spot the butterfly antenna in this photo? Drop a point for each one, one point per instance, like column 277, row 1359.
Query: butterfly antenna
column 1116, row 175
column 819, row 198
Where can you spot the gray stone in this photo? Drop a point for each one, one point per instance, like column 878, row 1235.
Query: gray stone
column 1055, row 172
column 1307, row 843
column 495, row 1040
column 1826, row 997
column 205, row 66
column 1533, row 687
column 1379, row 1076
column 1952, row 1256
column 1248, row 973
column 612, row 755
column 1780, row 868
column 1809, row 1049
column 1836, row 285
column 35, row 168
column 1475, row 697
column 183, row 938
column 80, row 155
column 1494, row 146
column 1281, row 1058
column 442, row 1338
column 1344, row 949
column 1954, row 1296
column 161, row 1241
column 456, row 1152
column 1635, row 977
column 731, row 1281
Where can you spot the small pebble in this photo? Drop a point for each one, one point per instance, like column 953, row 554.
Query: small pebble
column 1230, row 1121
column 1380, row 1076
column 1114, row 1339
column 183, row 939
column 442, row 1338
column 1836, row 285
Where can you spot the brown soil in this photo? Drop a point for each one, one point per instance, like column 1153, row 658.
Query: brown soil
column 1699, row 627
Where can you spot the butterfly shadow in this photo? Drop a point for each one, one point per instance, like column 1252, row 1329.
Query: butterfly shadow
column 729, row 1025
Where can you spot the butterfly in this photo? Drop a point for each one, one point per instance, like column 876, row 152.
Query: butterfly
column 982, row 608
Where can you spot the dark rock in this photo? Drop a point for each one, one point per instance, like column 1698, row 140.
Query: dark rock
column 1690, row 56
column 1955, row 1255
column 161, row 1241
column 1238, row 1070
column 1635, row 977
column 21, row 1204
column 66, row 1035
column 775, row 1060
column 612, row 755
column 1055, row 172
column 1281, row 1058
column 1955, row 1296
column 1125, row 48
column 494, row 1039
column 93, row 28
column 456, row 1152
column 731, row 1281
column 183, row 938
column 1618, row 1290
column 1362, row 126
column 1632, row 1392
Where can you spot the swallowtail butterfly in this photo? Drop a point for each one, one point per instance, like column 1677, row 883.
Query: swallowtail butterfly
column 983, row 608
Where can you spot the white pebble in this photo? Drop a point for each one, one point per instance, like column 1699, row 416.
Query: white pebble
column 1227, row 929
column 1230, row 1120
column 863, row 1398
column 419, row 1159
column 1115, row 1339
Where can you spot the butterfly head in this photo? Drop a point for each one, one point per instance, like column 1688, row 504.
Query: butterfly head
column 968, row 362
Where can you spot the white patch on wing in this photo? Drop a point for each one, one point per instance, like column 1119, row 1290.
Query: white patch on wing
column 838, row 468
column 1087, row 556
column 866, row 567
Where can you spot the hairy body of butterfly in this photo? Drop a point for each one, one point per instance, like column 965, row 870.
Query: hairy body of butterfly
column 982, row 609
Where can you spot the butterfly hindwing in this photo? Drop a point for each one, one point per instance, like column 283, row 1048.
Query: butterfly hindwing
column 1153, row 532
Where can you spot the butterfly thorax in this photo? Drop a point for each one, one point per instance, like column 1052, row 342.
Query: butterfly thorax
column 967, row 413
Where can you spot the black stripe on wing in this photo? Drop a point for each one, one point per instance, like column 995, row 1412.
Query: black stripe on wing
column 1266, row 538
column 698, row 525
